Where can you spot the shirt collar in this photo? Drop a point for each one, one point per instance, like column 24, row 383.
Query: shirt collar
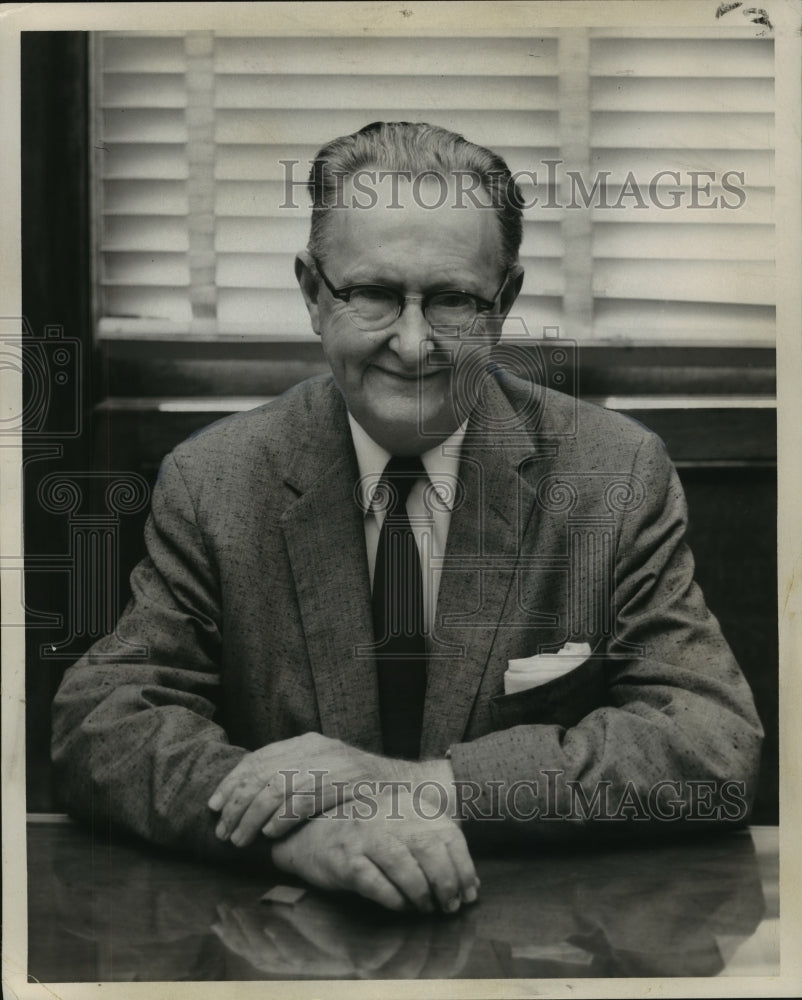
column 441, row 464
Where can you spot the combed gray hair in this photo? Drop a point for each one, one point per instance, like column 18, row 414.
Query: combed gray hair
column 413, row 148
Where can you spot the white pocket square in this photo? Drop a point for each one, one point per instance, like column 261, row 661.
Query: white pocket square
column 532, row 671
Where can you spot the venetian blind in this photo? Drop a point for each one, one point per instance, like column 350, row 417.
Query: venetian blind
column 197, row 136
column 697, row 263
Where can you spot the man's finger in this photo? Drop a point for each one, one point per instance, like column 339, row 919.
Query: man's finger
column 401, row 868
column 293, row 806
column 367, row 879
column 221, row 794
column 303, row 800
column 238, row 802
column 262, row 806
column 434, row 858
column 464, row 866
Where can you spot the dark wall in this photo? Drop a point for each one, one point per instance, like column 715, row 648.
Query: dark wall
column 56, row 362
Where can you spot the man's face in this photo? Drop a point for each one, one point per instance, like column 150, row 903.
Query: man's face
column 405, row 403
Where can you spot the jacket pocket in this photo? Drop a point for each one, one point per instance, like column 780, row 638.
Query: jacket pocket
column 565, row 701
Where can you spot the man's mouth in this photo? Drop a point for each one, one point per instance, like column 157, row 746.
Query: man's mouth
column 417, row 375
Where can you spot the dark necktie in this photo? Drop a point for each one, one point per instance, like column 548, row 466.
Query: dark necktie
column 398, row 614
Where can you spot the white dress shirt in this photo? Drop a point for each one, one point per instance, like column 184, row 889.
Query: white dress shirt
column 429, row 505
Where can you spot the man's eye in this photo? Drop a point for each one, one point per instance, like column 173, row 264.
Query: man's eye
column 452, row 300
column 373, row 294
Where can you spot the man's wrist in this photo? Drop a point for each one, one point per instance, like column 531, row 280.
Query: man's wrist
column 433, row 779
column 441, row 774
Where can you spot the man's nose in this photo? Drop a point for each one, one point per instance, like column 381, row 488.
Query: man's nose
column 409, row 332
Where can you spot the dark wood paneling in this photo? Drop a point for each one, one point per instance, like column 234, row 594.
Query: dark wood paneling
column 711, row 435
column 157, row 368
column 137, row 436
column 733, row 535
column 160, row 367
column 654, row 370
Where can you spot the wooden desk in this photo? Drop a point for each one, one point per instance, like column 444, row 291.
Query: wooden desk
column 102, row 910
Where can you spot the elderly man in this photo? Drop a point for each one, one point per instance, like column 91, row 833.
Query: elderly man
column 354, row 595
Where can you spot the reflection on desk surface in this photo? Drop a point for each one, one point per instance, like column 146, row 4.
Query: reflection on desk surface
column 104, row 911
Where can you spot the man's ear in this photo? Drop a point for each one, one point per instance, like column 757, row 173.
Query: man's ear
column 511, row 290
column 309, row 281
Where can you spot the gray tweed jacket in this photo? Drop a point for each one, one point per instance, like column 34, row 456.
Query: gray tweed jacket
column 250, row 622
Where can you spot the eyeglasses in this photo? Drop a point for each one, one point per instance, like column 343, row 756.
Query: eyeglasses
column 374, row 307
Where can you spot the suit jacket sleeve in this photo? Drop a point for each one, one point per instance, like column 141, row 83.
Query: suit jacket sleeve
column 135, row 740
column 682, row 712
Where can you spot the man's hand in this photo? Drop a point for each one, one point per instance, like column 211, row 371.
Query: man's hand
column 405, row 862
column 280, row 785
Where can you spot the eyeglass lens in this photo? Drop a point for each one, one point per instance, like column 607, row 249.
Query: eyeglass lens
column 371, row 305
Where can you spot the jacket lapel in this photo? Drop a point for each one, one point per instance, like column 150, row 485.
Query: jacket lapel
column 483, row 546
column 324, row 533
column 325, row 539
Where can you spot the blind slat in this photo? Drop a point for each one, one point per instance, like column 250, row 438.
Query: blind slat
column 722, row 95
column 637, row 129
column 137, row 90
column 159, row 303
column 135, row 53
column 143, row 269
column 387, row 56
column 747, row 283
column 682, row 321
column 277, row 310
column 437, row 92
column 145, row 197
column 144, row 125
column 252, row 235
column 758, row 208
column 683, row 240
column 152, row 162
column 153, row 233
column 296, row 127
column 691, row 57
column 652, row 164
